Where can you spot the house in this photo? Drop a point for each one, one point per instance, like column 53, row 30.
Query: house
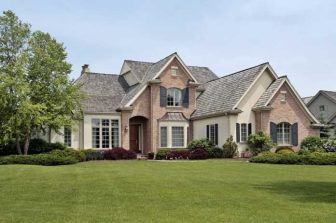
column 166, row 104
column 323, row 107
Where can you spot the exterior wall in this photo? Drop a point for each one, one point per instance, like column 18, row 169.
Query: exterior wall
column 87, row 127
column 224, row 130
column 247, row 103
column 330, row 107
column 289, row 111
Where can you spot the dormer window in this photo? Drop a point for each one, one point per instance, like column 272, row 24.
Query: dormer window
column 174, row 98
column 174, row 71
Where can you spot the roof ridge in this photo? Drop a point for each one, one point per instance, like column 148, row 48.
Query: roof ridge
column 96, row 73
column 238, row 72
column 138, row 61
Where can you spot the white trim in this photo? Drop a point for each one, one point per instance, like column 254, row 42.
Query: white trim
column 276, row 91
column 254, row 82
column 169, row 126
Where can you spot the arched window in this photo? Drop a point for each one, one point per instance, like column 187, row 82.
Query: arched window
column 174, row 97
column 284, row 133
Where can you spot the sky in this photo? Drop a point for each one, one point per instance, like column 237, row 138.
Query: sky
column 298, row 38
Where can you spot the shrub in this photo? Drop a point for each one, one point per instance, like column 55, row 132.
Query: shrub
column 92, row 154
column 200, row 144
column 38, row 159
column 79, row 156
column 150, row 155
column 230, row 148
column 119, row 153
column 199, row 154
column 178, row 154
column 215, row 152
column 312, row 143
column 284, row 150
column 260, row 142
column 314, row 158
column 162, row 154
column 329, row 145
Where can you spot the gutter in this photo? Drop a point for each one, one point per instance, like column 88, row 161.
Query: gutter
column 224, row 113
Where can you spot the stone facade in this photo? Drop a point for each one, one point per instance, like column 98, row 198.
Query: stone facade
column 286, row 109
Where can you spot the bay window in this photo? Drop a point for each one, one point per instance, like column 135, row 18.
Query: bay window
column 173, row 135
column 105, row 133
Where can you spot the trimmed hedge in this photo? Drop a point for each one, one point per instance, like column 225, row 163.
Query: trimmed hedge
column 38, row 159
column 314, row 158
column 215, row 152
column 92, row 154
column 284, row 150
column 119, row 153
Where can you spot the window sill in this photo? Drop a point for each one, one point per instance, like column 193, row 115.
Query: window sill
column 175, row 107
column 284, row 145
column 244, row 142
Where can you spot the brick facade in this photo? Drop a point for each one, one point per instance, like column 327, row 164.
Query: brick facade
column 289, row 111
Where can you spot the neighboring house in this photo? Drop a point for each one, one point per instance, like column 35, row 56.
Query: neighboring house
column 166, row 104
column 323, row 107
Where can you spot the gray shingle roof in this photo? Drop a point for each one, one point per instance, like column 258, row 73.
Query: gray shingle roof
column 268, row 93
column 202, row 74
column 104, row 91
column 173, row 116
column 222, row 94
column 138, row 68
column 307, row 99
column 331, row 94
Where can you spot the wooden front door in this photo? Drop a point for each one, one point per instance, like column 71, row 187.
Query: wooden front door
column 135, row 138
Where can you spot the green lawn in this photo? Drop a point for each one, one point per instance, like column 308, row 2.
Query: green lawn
column 154, row 191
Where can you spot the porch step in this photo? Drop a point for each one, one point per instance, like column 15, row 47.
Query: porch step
column 142, row 156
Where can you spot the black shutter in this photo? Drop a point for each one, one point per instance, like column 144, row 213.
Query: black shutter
column 185, row 97
column 208, row 132
column 163, row 96
column 295, row 138
column 249, row 129
column 216, row 134
column 237, row 132
column 273, row 131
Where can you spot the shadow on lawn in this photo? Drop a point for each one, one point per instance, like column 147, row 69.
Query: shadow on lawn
column 304, row 191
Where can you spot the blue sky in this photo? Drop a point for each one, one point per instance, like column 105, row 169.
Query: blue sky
column 298, row 38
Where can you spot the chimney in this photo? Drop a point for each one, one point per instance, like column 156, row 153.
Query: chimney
column 85, row 69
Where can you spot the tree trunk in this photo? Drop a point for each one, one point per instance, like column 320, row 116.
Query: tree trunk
column 26, row 144
column 18, row 147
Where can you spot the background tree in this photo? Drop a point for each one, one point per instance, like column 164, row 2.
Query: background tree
column 34, row 85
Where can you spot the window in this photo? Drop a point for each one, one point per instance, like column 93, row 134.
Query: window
column 212, row 133
column 174, row 97
column 67, row 136
column 243, row 132
column 95, row 133
column 177, row 136
column 174, row 71
column 163, row 137
column 105, row 133
column 284, row 133
column 322, row 108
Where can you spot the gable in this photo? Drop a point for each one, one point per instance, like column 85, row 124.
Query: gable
column 327, row 102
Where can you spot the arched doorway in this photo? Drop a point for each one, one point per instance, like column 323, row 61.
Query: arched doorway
column 138, row 134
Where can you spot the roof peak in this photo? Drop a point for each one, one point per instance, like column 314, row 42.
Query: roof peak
column 95, row 73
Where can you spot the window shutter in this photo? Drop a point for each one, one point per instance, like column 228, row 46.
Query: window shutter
column 273, row 131
column 237, row 132
column 208, row 132
column 249, row 129
column 216, row 134
column 163, row 96
column 185, row 97
column 295, row 137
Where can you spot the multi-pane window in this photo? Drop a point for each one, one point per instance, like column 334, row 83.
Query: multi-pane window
column 163, row 137
column 174, row 70
column 67, row 136
column 212, row 133
column 115, row 132
column 95, row 133
column 105, row 133
column 284, row 133
column 174, row 97
column 177, row 136
column 243, row 132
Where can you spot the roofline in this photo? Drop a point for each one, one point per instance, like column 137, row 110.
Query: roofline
column 267, row 65
column 228, row 112
column 276, row 91
column 321, row 92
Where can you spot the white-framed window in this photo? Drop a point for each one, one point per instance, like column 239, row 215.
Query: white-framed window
column 163, row 136
column 174, row 71
column 177, row 136
column 174, row 97
column 284, row 133
column 67, row 136
column 212, row 133
column 105, row 133
column 243, row 132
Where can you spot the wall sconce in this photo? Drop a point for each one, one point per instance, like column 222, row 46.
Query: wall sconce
column 126, row 128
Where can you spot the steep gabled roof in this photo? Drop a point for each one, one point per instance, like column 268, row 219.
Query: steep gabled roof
column 222, row 94
column 138, row 68
column 331, row 95
column 269, row 93
column 104, row 91
column 202, row 74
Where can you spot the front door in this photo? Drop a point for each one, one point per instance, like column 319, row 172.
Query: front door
column 135, row 138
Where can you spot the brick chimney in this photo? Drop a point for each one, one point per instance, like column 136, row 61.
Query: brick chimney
column 85, row 69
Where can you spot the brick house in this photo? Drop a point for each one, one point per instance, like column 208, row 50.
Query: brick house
column 167, row 103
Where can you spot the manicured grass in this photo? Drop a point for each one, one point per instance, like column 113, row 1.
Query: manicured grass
column 154, row 191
